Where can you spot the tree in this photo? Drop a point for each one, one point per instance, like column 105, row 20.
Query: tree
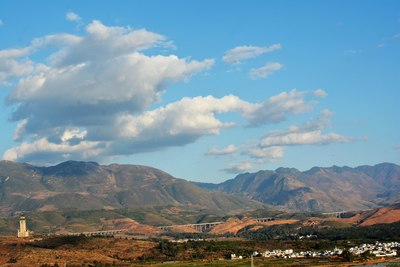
column 168, row 248
column 347, row 255
column 366, row 255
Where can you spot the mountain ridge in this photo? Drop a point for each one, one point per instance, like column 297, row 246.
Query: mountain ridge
column 90, row 186
column 319, row 188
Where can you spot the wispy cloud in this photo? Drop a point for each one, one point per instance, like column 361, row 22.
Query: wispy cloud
column 1, row 22
column 13, row 64
column 278, row 107
column 307, row 134
column 71, row 16
column 230, row 149
column 240, row 53
column 394, row 37
column 265, row 71
column 239, row 167
column 320, row 93
column 272, row 146
column 354, row 51
column 397, row 147
column 271, row 153
column 389, row 39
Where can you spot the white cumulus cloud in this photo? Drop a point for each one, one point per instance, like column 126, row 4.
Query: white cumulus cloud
column 240, row 53
column 41, row 150
column 98, row 95
column 87, row 82
column 125, row 131
column 81, row 89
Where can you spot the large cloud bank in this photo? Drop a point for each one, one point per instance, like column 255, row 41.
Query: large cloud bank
column 92, row 97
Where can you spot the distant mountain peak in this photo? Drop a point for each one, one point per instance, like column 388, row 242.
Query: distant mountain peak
column 286, row 170
column 320, row 188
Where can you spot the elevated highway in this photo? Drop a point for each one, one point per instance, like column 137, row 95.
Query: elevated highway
column 99, row 233
column 204, row 227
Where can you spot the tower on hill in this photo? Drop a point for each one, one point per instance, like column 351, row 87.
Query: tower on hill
column 22, row 232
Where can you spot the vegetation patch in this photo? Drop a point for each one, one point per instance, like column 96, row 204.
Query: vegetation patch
column 58, row 241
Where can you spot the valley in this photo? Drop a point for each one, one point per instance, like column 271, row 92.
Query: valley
column 148, row 217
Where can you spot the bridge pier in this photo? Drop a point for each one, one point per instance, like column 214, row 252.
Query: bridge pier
column 204, row 227
column 335, row 214
column 201, row 227
column 266, row 219
column 99, row 233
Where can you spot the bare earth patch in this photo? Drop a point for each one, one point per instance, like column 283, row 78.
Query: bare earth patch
column 389, row 214
column 234, row 225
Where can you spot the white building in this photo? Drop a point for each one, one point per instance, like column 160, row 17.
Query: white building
column 22, row 232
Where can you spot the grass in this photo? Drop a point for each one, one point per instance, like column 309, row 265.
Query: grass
column 125, row 252
column 258, row 262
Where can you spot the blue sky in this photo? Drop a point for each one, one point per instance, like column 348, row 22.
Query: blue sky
column 201, row 89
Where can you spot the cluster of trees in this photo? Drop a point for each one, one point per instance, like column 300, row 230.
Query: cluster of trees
column 204, row 249
column 169, row 249
column 382, row 232
column 190, row 235
column 282, row 232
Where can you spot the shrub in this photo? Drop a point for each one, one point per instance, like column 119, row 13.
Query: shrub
column 57, row 241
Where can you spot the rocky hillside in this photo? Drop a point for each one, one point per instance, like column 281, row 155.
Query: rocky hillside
column 90, row 186
column 319, row 189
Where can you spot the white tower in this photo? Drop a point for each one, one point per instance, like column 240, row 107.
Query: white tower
column 22, row 232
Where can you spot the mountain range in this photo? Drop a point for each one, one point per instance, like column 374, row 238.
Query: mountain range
column 75, row 185
column 318, row 189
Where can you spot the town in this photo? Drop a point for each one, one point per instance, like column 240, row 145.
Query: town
column 378, row 249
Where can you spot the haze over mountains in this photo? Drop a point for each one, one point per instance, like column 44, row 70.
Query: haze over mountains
column 90, row 186
column 319, row 189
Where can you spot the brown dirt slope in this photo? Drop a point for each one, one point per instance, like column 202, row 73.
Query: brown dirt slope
column 389, row 214
column 132, row 226
column 234, row 225
column 17, row 252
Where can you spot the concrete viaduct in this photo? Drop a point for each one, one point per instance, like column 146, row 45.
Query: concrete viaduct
column 204, row 227
column 201, row 227
column 99, row 233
